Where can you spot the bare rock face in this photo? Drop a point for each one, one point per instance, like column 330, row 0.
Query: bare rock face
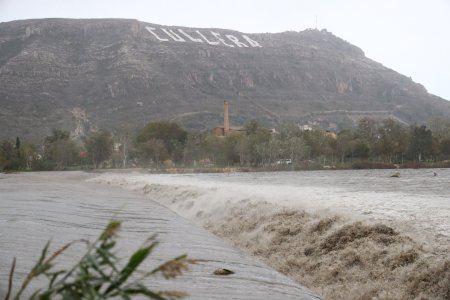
column 87, row 74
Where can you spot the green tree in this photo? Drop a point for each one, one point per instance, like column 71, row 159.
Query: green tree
column 17, row 156
column 344, row 144
column 421, row 142
column 231, row 154
column 28, row 155
column 60, row 151
column 159, row 141
column 2, row 156
column 367, row 130
column 445, row 148
column 296, row 149
column 17, row 143
column 251, row 127
column 440, row 127
column 99, row 146
column 247, row 147
column 124, row 137
column 361, row 149
column 367, row 137
column 288, row 130
column 196, row 148
column 215, row 148
column 319, row 143
column 392, row 141
column 8, row 156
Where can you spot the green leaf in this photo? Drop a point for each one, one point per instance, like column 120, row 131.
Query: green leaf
column 41, row 269
column 136, row 259
column 43, row 254
column 142, row 290
column 106, row 258
column 97, row 268
column 108, row 245
column 35, row 294
column 53, row 277
column 45, row 296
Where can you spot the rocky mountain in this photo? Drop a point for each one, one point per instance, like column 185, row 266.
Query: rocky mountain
column 103, row 73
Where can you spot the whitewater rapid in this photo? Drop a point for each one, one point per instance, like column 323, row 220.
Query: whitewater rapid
column 358, row 233
column 36, row 207
column 418, row 202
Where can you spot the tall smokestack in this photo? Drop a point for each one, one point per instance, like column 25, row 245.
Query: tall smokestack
column 226, row 121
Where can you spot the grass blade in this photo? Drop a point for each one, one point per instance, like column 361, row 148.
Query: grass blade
column 136, row 259
column 10, row 281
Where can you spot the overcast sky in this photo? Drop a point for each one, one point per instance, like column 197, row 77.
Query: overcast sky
column 409, row 36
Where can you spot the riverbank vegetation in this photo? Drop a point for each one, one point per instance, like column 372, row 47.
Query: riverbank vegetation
column 99, row 274
column 165, row 145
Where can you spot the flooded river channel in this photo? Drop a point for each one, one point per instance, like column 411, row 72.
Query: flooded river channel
column 63, row 206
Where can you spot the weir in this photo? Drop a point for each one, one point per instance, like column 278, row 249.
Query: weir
column 327, row 237
column 63, row 207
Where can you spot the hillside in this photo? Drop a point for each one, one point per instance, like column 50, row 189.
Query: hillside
column 102, row 73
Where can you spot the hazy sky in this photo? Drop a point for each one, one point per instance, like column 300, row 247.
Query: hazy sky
column 409, row 36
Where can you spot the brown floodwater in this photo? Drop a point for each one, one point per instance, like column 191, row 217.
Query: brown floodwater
column 64, row 206
column 345, row 234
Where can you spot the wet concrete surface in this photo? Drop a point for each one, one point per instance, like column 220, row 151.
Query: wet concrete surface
column 62, row 206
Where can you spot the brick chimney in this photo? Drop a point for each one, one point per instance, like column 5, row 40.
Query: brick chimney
column 226, row 121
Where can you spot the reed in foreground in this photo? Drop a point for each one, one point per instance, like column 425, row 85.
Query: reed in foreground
column 99, row 273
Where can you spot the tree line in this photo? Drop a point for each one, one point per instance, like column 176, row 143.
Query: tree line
column 161, row 144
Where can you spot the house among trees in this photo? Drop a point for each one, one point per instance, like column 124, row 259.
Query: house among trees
column 226, row 130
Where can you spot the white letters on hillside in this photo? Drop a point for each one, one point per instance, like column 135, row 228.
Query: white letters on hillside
column 203, row 37
column 217, row 35
column 252, row 43
column 190, row 37
column 151, row 30
column 235, row 40
column 215, row 39
column 173, row 35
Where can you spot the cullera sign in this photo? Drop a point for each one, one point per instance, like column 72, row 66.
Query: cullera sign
column 229, row 40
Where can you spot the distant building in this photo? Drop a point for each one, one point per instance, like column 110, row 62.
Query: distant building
column 305, row 127
column 284, row 161
column 226, row 130
column 327, row 133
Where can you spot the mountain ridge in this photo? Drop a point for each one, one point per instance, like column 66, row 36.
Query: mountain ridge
column 85, row 74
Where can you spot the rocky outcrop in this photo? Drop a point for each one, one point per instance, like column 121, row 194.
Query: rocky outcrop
column 84, row 74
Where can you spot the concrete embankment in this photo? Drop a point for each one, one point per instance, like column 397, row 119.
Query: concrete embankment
column 62, row 206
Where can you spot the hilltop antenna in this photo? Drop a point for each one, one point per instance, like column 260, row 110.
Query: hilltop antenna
column 316, row 22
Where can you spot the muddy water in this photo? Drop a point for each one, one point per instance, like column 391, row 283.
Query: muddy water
column 417, row 202
column 344, row 234
column 63, row 206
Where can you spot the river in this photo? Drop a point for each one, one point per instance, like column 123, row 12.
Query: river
column 345, row 234
column 65, row 206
